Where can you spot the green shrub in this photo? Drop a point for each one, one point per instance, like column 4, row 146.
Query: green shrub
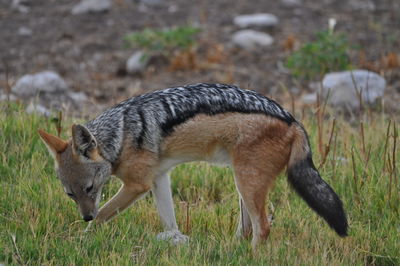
column 163, row 42
column 329, row 52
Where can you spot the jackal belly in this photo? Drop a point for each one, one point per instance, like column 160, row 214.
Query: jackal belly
column 214, row 138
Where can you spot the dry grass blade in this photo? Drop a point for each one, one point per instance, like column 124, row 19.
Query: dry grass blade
column 17, row 253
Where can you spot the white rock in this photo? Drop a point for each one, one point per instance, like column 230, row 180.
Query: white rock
column 91, row 6
column 362, row 5
column 46, row 81
column 38, row 109
column 250, row 39
column 20, row 6
column 256, row 20
column 78, row 96
column 136, row 63
column 309, row 98
column 343, row 88
column 24, row 31
column 5, row 97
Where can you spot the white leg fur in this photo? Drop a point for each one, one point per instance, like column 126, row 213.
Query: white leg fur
column 165, row 206
column 244, row 226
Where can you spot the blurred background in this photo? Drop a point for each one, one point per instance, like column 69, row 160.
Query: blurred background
column 90, row 54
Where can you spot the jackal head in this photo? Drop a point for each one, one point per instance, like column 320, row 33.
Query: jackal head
column 80, row 168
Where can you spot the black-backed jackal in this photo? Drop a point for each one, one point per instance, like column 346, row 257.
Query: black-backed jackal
column 141, row 139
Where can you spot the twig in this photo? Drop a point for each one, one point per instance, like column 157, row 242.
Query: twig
column 386, row 145
column 187, row 217
column 354, row 170
column 19, row 257
column 328, row 146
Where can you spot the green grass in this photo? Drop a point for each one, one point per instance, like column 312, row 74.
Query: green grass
column 40, row 225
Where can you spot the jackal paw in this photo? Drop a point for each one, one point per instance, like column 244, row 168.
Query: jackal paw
column 175, row 237
column 270, row 219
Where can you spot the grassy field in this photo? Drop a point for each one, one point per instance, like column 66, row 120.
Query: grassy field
column 40, row 225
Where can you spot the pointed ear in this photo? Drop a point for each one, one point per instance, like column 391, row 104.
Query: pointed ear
column 54, row 144
column 83, row 141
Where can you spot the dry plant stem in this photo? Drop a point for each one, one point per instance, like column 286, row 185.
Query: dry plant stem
column 328, row 146
column 231, row 220
column 17, row 253
column 386, row 146
column 319, row 124
column 395, row 133
column 358, row 92
column 187, row 218
column 354, row 171
column 362, row 138
column 59, row 123
column 334, row 156
column 392, row 173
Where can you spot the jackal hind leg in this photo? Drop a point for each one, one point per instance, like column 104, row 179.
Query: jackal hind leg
column 253, row 194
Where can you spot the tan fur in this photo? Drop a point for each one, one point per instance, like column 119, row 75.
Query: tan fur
column 257, row 146
column 54, row 144
column 135, row 169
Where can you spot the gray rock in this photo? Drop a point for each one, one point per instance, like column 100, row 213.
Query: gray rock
column 32, row 85
column 343, row 88
column 256, row 20
column 20, row 5
column 91, row 6
column 150, row 2
column 24, row 31
column 38, row 109
column 5, row 97
column 250, row 39
column 362, row 5
column 78, row 96
column 136, row 63
column 309, row 98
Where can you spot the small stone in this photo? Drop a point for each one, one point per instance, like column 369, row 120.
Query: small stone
column 5, row 97
column 78, row 97
column 46, row 81
column 38, row 109
column 250, row 39
column 24, row 31
column 309, row 98
column 150, row 2
column 344, row 88
column 136, row 63
column 362, row 5
column 20, row 6
column 257, row 20
column 91, row 6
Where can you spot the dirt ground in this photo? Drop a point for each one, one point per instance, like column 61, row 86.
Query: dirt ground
column 88, row 50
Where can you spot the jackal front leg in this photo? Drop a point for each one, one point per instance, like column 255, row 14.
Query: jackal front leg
column 165, row 206
column 123, row 199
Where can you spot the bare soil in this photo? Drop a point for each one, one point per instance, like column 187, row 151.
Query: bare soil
column 89, row 50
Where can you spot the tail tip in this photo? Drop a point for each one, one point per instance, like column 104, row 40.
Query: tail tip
column 341, row 230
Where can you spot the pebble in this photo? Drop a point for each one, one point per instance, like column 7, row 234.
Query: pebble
column 256, row 20
column 136, row 63
column 250, row 39
column 91, row 6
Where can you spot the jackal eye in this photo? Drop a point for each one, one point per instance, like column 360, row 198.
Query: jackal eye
column 70, row 195
column 88, row 189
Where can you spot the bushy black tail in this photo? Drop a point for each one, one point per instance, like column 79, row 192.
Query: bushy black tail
column 307, row 182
